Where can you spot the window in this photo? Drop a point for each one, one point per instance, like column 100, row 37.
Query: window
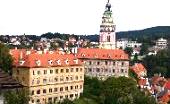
column 62, row 71
column 66, row 88
column 67, row 70
column 81, row 69
column 71, row 78
column 50, row 99
column 113, row 70
column 106, row 62
column 38, row 81
column 51, row 71
column 50, row 90
column 81, row 77
column 55, row 89
column 76, row 95
column 108, row 38
column 98, row 63
column 33, row 82
column 122, row 63
column 33, row 72
column 44, row 81
column 122, row 70
column 71, row 95
column 66, row 96
column 61, row 89
column 61, row 97
column 61, row 78
column 32, row 93
column 56, row 79
column 38, row 100
column 106, row 70
column 76, row 77
column 114, row 63
column 90, row 70
column 77, row 69
column 55, row 99
column 38, row 72
column 72, row 69
column 17, row 71
column 81, row 86
column 71, row 87
column 76, row 87
column 38, row 91
column 32, row 101
column 97, row 70
column 67, row 79
column 44, row 91
column 90, row 62
column 56, row 71
column 45, row 71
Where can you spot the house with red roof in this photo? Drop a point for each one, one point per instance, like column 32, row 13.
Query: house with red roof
column 50, row 76
column 104, row 63
column 139, row 70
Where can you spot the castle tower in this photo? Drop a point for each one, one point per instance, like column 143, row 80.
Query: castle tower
column 107, row 36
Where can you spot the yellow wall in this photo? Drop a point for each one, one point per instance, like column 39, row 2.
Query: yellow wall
column 49, row 78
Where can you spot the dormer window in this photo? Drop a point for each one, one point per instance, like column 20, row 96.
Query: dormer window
column 50, row 62
column 38, row 62
column 109, row 56
column 83, row 55
column 21, row 62
column 75, row 61
column 95, row 55
column 67, row 62
column 58, row 62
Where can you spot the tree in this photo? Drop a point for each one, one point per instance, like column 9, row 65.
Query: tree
column 5, row 59
column 144, row 49
column 17, row 96
column 128, row 50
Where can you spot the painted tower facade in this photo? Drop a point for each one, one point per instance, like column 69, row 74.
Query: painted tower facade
column 107, row 29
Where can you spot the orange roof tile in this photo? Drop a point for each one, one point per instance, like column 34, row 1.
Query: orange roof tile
column 96, row 53
column 35, row 59
column 142, row 82
column 138, row 68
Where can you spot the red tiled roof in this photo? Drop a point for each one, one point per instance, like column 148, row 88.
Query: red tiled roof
column 165, row 98
column 138, row 68
column 167, row 85
column 96, row 53
column 35, row 59
column 142, row 82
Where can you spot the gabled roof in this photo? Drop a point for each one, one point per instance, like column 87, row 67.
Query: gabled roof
column 105, row 54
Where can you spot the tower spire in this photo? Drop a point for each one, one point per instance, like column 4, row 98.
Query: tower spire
column 108, row 5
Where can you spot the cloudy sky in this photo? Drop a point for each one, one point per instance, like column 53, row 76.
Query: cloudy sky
column 79, row 16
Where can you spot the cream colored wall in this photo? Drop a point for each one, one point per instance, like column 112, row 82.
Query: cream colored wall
column 103, row 74
column 34, row 80
column 44, row 97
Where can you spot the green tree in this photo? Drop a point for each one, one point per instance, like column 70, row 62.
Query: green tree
column 17, row 96
column 128, row 50
column 144, row 49
column 5, row 59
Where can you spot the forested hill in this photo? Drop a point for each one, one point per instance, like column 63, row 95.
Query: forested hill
column 149, row 33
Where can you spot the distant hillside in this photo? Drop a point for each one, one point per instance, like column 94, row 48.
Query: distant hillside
column 149, row 33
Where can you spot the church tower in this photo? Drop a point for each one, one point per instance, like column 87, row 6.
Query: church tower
column 107, row 36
